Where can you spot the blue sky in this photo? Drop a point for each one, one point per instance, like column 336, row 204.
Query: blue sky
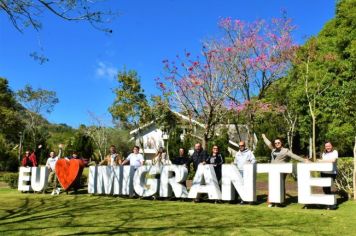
column 84, row 61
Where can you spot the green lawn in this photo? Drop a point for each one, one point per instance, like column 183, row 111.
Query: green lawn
column 39, row 214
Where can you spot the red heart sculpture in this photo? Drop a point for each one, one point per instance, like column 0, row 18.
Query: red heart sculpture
column 68, row 172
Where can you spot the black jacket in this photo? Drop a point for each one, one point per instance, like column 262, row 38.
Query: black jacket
column 218, row 160
column 181, row 160
column 198, row 157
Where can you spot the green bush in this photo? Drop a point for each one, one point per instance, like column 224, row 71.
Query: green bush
column 11, row 179
column 344, row 178
column 263, row 159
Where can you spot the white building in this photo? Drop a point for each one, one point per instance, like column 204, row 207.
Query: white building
column 151, row 137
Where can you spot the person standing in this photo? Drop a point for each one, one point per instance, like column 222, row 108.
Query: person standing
column 30, row 159
column 113, row 159
column 199, row 156
column 216, row 159
column 182, row 159
column 51, row 165
column 161, row 157
column 280, row 154
column 330, row 155
column 135, row 158
column 243, row 156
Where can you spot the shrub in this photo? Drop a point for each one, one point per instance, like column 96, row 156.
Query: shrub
column 344, row 178
column 11, row 179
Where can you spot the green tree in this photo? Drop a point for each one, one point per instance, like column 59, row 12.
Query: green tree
column 330, row 60
column 11, row 126
column 10, row 113
column 81, row 143
column 37, row 102
column 130, row 107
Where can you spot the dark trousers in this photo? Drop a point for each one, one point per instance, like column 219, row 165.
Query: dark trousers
column 327, row 190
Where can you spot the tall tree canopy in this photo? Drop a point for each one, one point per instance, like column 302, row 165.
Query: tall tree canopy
column 10, row 112
column 130, row 107
column 331, row 60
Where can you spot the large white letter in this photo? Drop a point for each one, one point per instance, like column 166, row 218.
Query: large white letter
column 127, row 180
column 24, row 177
column 205, row 182
column 93, row 174
column 39, row 178
column 275, row 180
column 169, row 182
column 108, row 180
column 245, row 187
column 143, row 186
column 306, row 181
column 105, row 179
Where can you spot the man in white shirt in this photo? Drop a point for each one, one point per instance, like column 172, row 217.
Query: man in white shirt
column 51, row 165
column 136, row 159
column 243, row 156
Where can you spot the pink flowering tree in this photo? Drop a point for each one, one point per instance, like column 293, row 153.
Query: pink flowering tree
column 197, row 89
column 231, row 70
column 254, row 54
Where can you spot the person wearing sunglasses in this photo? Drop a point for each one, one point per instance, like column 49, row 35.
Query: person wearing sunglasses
column 243, row 156
column 216, row 159
column 280, row 154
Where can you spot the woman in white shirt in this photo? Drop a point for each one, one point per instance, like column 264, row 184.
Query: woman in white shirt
column 329, row 155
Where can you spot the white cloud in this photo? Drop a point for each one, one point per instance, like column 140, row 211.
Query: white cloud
column 105, row 70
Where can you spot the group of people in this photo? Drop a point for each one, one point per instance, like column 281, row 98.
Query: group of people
column 30, row 160
column 135, row 159
column 279, row 154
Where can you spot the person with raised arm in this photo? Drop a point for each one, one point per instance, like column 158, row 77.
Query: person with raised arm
column 243, row 156
column 30, row 159
column 280, row 154
column 51, row 165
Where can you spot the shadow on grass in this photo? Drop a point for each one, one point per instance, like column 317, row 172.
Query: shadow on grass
column 38, row 213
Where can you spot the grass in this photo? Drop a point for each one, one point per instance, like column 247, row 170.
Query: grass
column 43, row 214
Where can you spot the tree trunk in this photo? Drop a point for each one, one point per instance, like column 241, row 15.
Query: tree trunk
column 205, row 142
column 314, row 137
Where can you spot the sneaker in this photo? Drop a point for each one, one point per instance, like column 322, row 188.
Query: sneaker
column 53, row 192
column 58, row 190
column 242, row 202
column 270, row 205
